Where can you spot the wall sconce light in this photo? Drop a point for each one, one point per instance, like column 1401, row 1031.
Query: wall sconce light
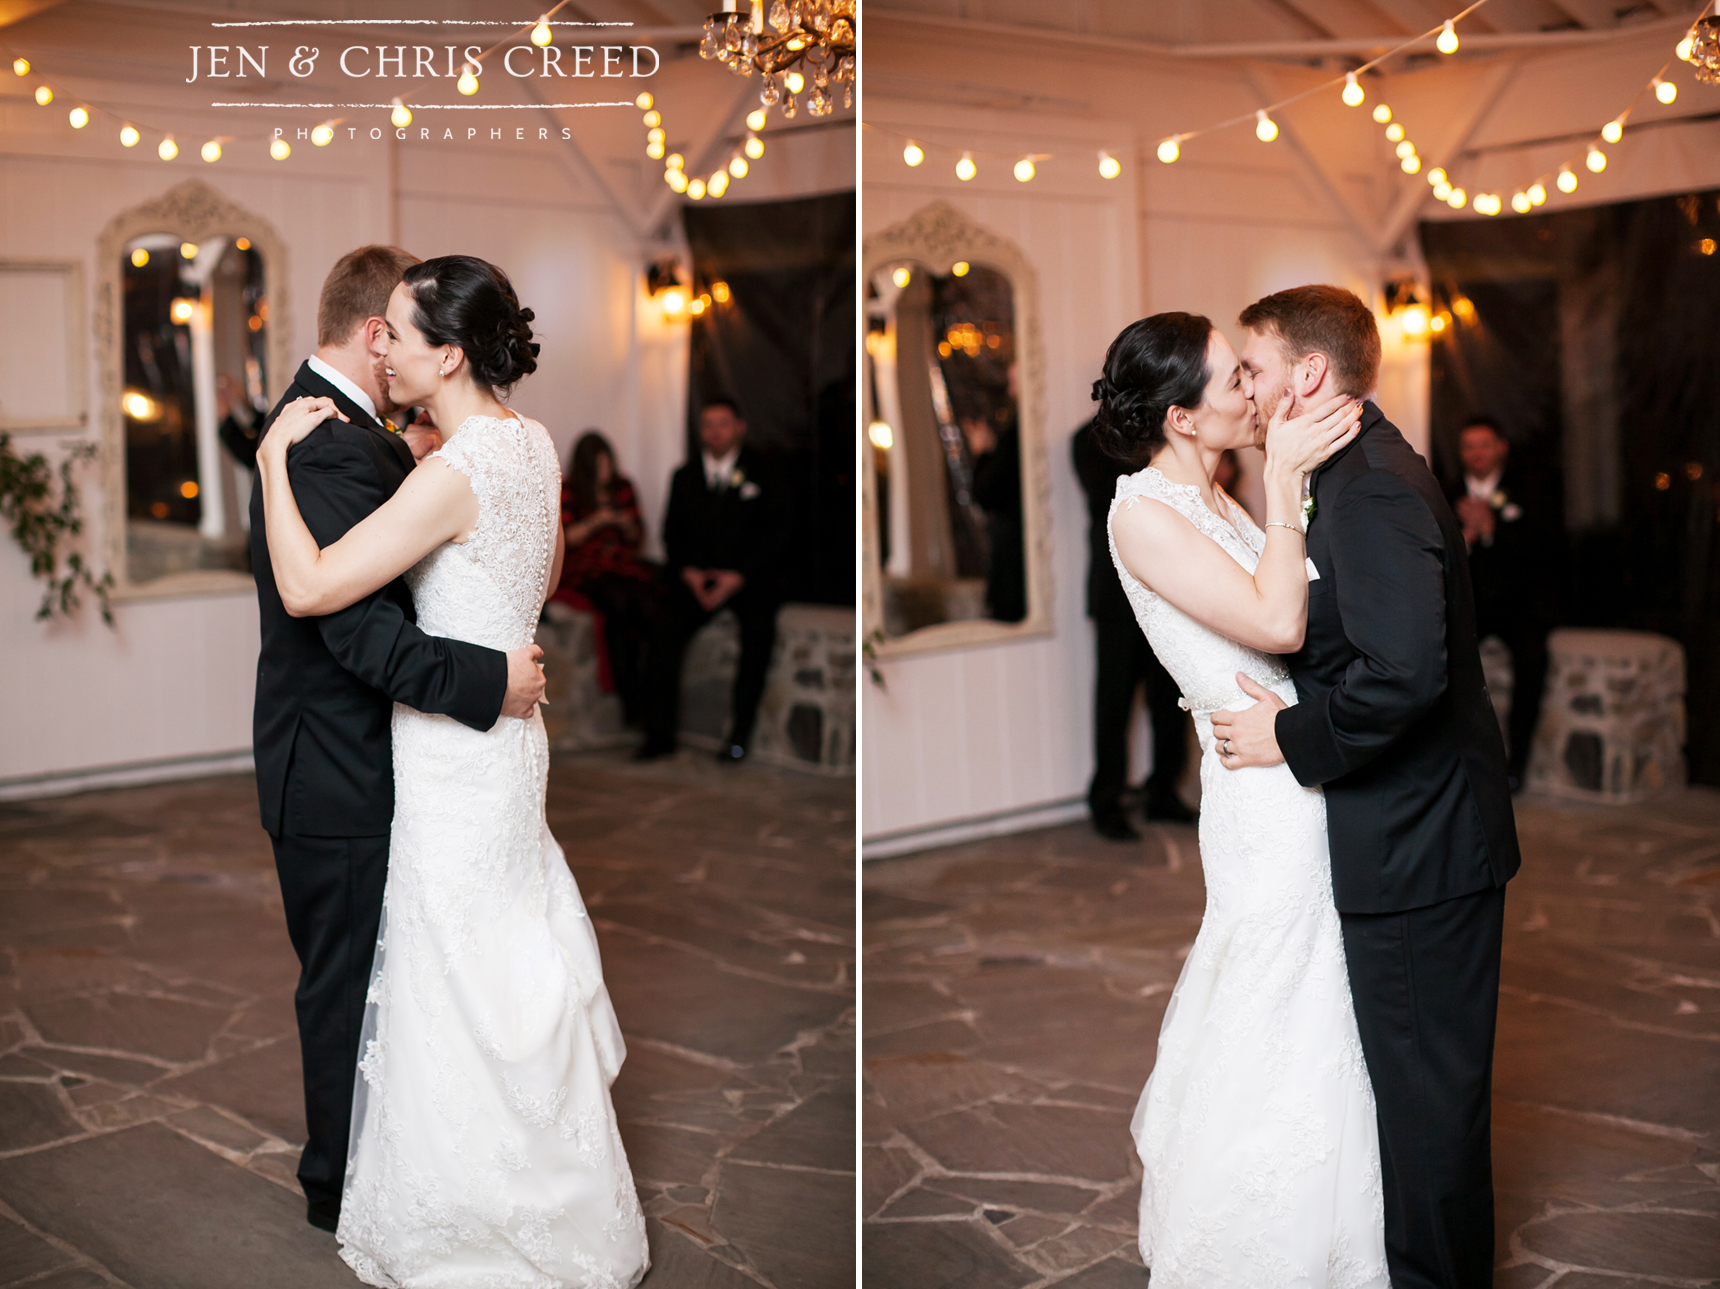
column 1407, row 302
column 664, row 282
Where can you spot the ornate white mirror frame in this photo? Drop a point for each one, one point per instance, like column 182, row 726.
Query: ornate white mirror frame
column 194, row 212
column 939, row 235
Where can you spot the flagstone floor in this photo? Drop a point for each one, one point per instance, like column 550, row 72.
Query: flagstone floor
column 150, row 1096
column 1014, row 990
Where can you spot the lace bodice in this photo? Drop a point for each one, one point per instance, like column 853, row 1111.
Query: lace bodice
column 490, row 588
column 1202, row 662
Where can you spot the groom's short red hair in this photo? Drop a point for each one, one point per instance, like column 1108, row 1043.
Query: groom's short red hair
column 357, row 289
column 1327, row 320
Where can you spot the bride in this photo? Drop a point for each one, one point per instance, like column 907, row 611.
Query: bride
column 484, row 1149
column 1256, row 1130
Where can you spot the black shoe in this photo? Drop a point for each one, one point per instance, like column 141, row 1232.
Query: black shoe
column 653, row 750
column 1115, row 827
column 325, row 1217
column 732, row 752
column 1168, row 808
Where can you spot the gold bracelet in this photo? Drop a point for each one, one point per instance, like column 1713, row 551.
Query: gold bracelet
column 1279, row 523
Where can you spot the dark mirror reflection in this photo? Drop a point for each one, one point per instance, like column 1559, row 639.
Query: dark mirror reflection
column 946, row 445
column 196, row 324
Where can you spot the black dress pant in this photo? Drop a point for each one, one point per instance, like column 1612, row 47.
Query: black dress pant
column 1527, row 641
column 629, row 607
column 679, row 617
column 1125, row 660
column 1426, row 990
column 332, row 890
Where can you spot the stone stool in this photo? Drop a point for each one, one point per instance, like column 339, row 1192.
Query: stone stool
column 577, row 714
column 806, row 718
column 1612, row 726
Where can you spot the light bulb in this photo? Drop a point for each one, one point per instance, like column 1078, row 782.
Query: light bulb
column 1520, row 203
column 674, row 301
column 754, row 146
column 913, row 154
column 280, row 149
column 168, row 150
column 21, row 66
column 1613, row 131
column 795, row 82
column 880, row 435
column 1109, row 166
column 675, row 161
column 79, row 118
column 1437, row 176
column 960, row 268
column 1665, row 91
column 1405, row 149
column 1394, row 132
column 139, row 258
column 901, row 277
column 653, row 119
column 1684, row 50
column 756, row 119
column 1265, row 128
column 1441, row 191
column 676, row 179
column 1596, row 160
column 718, row 184
column 468, row 83
column 212, row 151
column 541, row 34
column 965, row 168
column 696, row 189
column 401, row 116
column 44, row 95
column 1537, row 194
column 1353, row 94
column 1456, row 199
column 128, row 136
column 643, row 102
column 1168, row 151
column 1447, row 42
column 1382, row 114
column 1024, row 169
column 1567, row 181
column 1411, row 164
column 1486, row 203
column 654, row 150
column 738, row 167
column 322, row 134
column 188, row 250
column 654, row 135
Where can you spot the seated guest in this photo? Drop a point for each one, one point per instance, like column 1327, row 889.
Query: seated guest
column 600, row 517
column 1512, row 536
column 724, row 535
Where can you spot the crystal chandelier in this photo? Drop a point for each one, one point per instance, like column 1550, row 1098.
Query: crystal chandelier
column 1705, row 50
column 803, row 42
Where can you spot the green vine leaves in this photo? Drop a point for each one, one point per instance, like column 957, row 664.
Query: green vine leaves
column 42, row 527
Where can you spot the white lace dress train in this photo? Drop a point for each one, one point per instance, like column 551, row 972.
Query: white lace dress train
column 484, row 1152
column 1256, row 1131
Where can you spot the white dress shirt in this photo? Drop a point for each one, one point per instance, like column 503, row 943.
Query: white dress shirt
column 1483, row 489
column 719, row 469
column 344, row 385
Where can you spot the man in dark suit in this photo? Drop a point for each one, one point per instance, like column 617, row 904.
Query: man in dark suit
column 1124, row 661
column 1511, row 534
column 724, row 537
column 326, row 688
column 1394, row 722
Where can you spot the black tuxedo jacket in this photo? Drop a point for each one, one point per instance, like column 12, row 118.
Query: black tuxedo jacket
column 1515, row 578
column 1394, row 720
column 742, row 527
column 1098, row 472
column 326, row 687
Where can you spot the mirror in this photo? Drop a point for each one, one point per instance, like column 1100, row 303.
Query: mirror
column 195, row 356
column 954, row 477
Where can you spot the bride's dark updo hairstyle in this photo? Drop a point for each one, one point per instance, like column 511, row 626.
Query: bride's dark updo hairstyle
column 462, row 300
column 1152, row 366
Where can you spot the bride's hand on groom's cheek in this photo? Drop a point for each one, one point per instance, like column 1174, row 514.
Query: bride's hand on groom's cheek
column 1249, row 737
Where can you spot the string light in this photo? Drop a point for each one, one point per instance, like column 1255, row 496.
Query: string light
column 718, row 184
column 1024, row 169
column 1613, row 130
column 1456, row 199
column 1596, row 160
column 212, row 151
column 1567, row 180
column 541, row 34
column 1665, row 91
column 401, row 115
column 21, row 66
column 1537, row 194
column 44, row 95
column 322, row 134
column 913, row 154
column 738, row 167
column 1382, row 114
column 1447, row 42
column 1168, row 151
column 696, row 189
column 965, row 168
column 468, row 83
column 1686, row 47
column 1437, row 176
column 753, row 147
column 1520, row 202
column 280, row 149
column 1109, row 166
column 128, row 136
column 755, row 119
column 1405, row 149
column 1353, row 94
column 79, row 118
column 168, row 149
column 1410, row 164
column 1265, row 128
column 1394, row 131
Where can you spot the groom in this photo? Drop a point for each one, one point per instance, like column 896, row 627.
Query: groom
column 325, row 694
column 1395, row 724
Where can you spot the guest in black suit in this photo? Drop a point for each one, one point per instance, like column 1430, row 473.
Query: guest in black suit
column 724, row 535
column 1395, row 724
column 1124, row 661
column 1512, row 533
column 326, row 688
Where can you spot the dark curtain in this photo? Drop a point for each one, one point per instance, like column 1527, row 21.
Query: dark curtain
column 783, row 347
column 1594, row 337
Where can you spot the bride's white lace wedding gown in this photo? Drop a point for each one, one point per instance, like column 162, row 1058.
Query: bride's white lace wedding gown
column 1256, row 1130
column 484, row 1152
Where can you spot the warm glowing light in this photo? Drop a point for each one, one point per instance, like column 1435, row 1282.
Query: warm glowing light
column 1168, row 151
column 1596, row 160
column 1109, row 166
column 128, row 136
column 654, row 136
column 1353, row 94
column 401, row 115
column 1024, row 169
column 168, row 150
column 44, row 95
column 653, row 119
column 139, row 258
column 1437, row 176
column 960, row 268
column 1706, row 246
column 212, row 151
column 1613, row 131
column 21, row 66
column 1665, row 91
column 468, row 83
column 643, row 102
column 756, row 118
column 1684, row 50
column 965, row 168
column 1437, row 323
column 1411, row 164
column 880, row 435
column 541, row 34
column 720, row 292
column 696, row 189
column 913, row 154
column 140, row 407
column 1662, row 481
column 1537, row 194
column 188, row 250
column 738, row 167
column 676, row 179
column 675, row 161
column 79, row 118
column 901, row 277
column 1394, row 131
column 1520, row 203
column 674, row 302
column 1382, row 113
column 1447, row 42
column 1265, row 128
column 1567, row 181
column 182, row 310
column 654, row 151
column 1441, row 191
column 188, row 489
column 1457, row 198
column 1405, row 149
column 754, row 147
column 1414, row 321
column 795, row 82
column 718, row 184
column 698, row 306
column 1488, row 203
column 1464, row 308
column 321, row 135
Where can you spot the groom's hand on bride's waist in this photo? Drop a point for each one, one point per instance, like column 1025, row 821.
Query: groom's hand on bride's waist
column 1249, row 737
column 525, row 682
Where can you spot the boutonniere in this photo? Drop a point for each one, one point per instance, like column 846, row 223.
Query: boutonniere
column 391, row 427
column 737, row 477
column 1308, row 511
column 1508, row 510
column 749, row 491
